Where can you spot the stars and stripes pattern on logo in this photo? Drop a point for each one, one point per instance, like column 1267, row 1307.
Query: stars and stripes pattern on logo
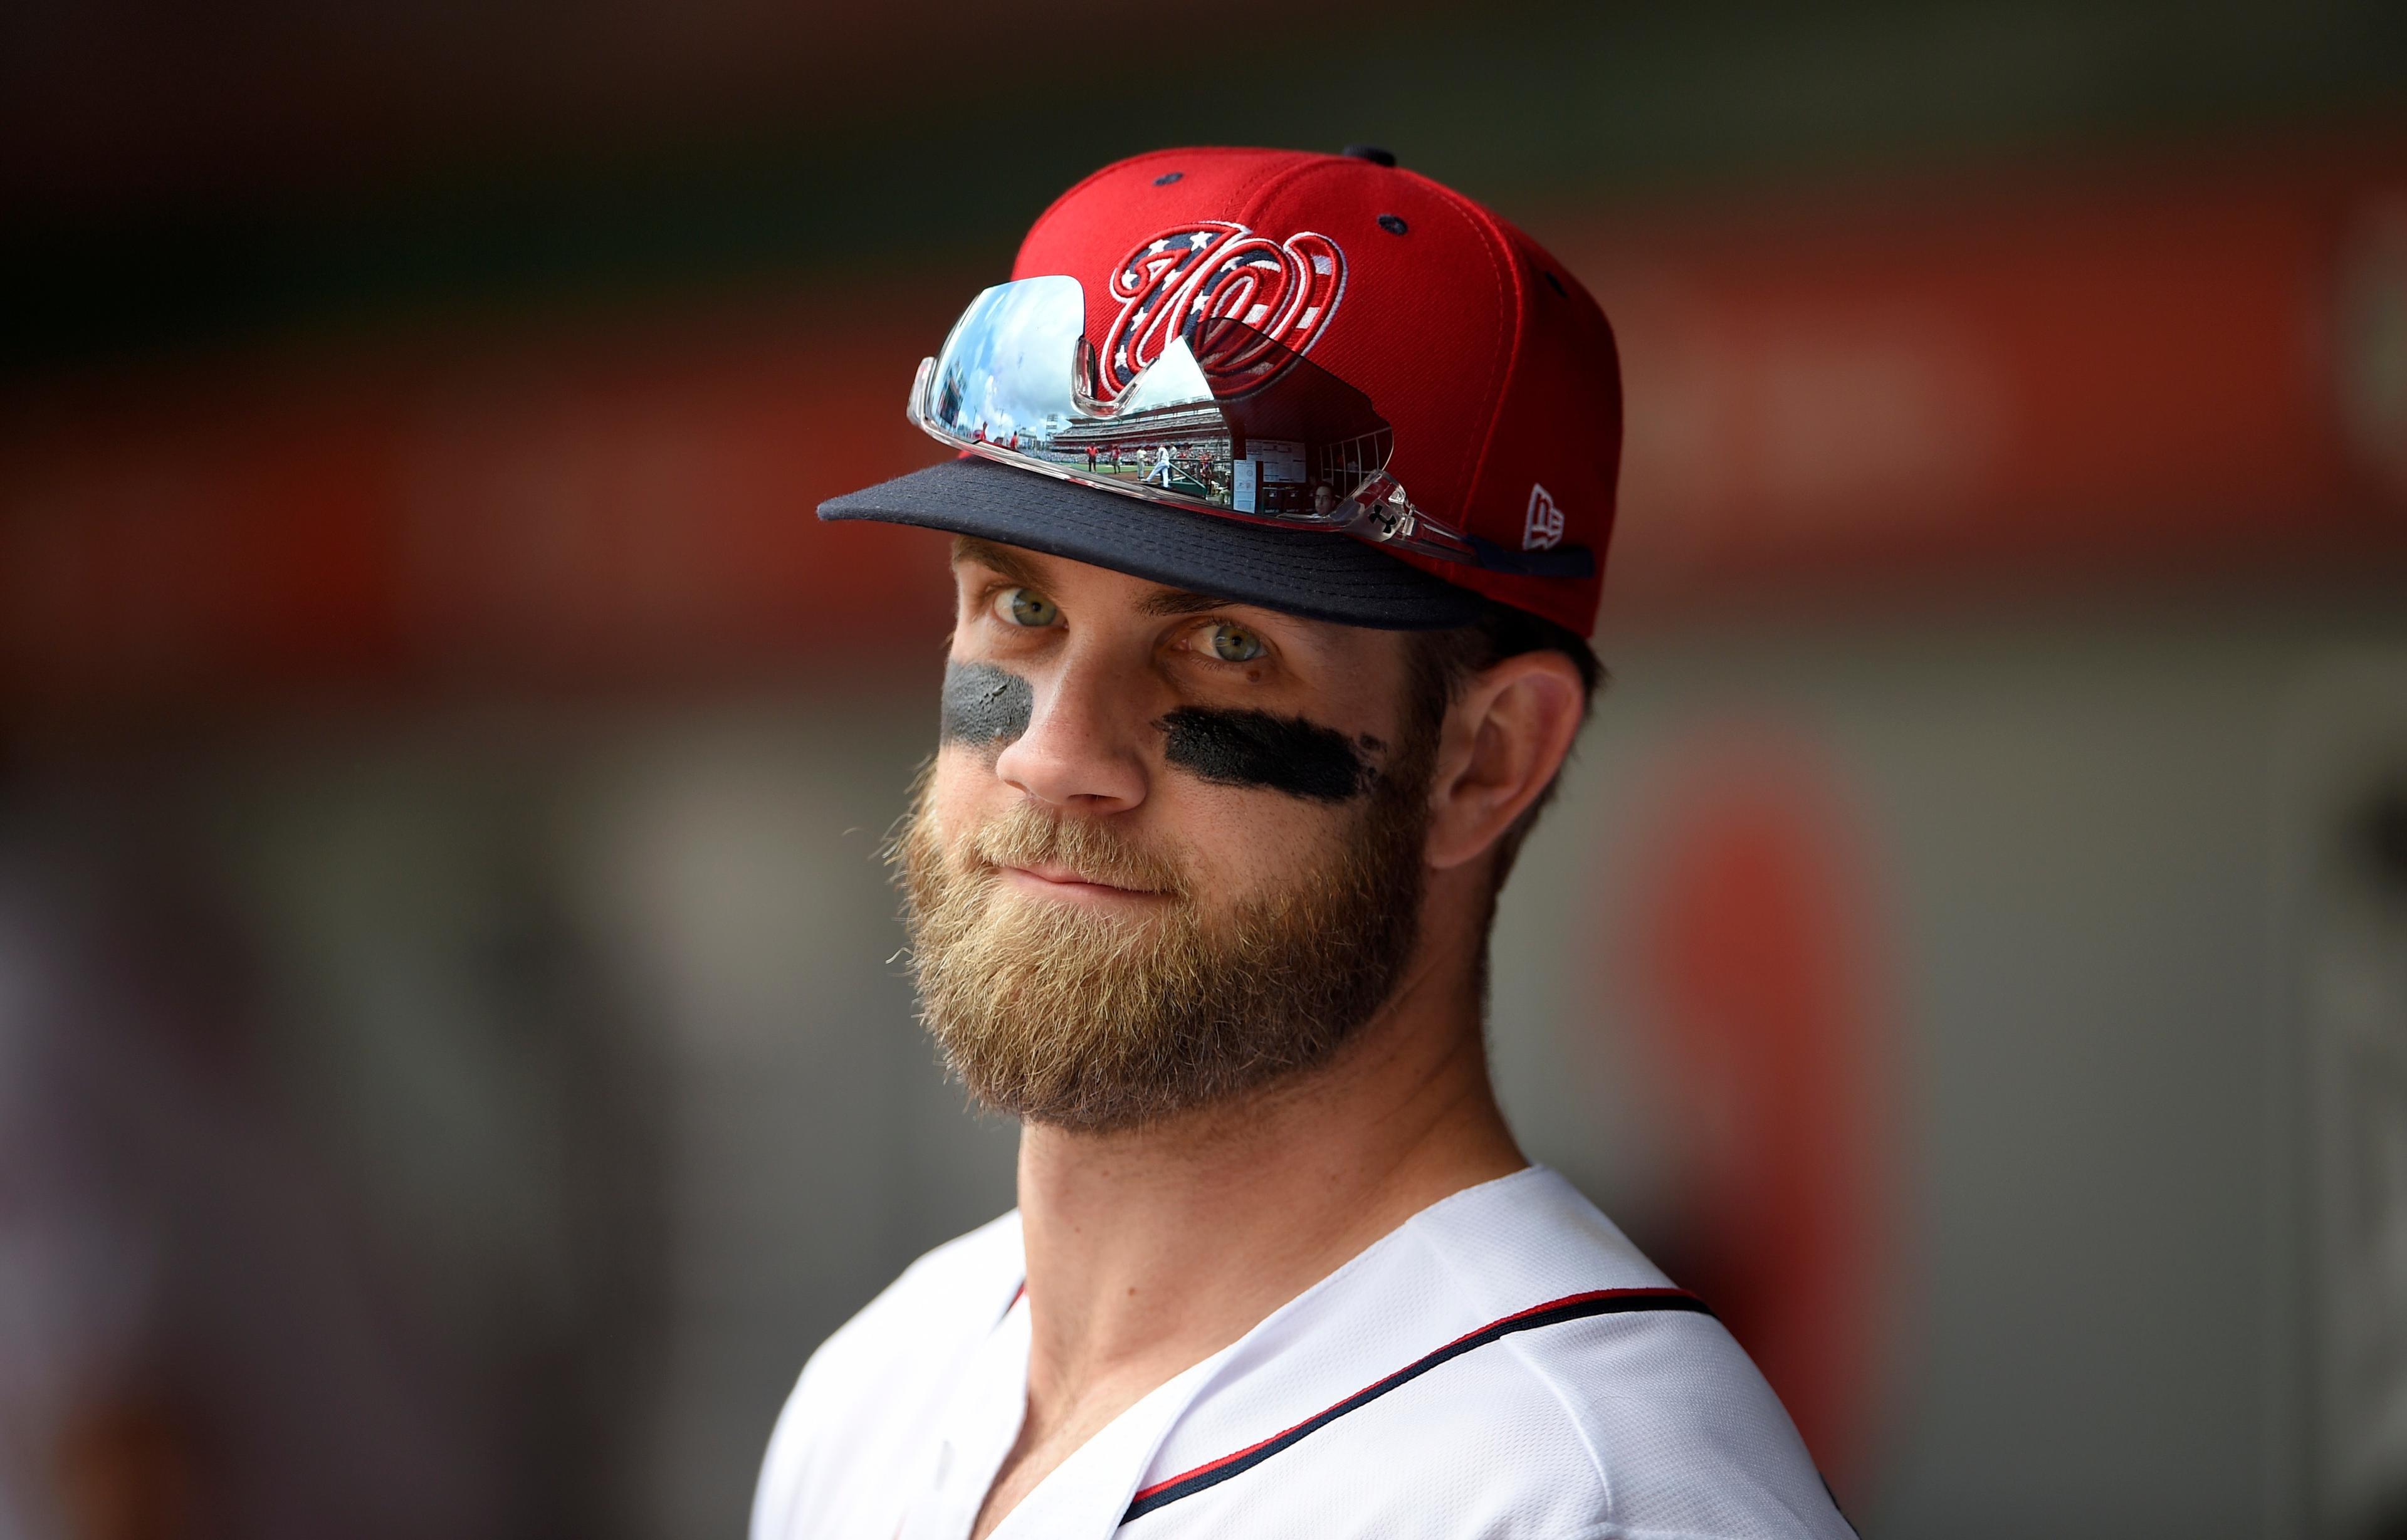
column 1276, row 295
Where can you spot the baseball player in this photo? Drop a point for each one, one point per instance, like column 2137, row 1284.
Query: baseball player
column 1197, row 889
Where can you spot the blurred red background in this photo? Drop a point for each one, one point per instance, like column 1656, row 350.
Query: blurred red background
column 441, row 938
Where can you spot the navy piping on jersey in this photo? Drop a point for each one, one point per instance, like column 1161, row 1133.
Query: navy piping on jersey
column 1600, row 1302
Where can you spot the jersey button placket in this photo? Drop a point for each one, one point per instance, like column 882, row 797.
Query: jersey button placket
column 976, row 1430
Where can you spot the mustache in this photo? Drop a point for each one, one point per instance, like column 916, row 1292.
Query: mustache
column 1028, row 836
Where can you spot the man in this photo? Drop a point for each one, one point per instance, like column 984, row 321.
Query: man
column 1198, row 886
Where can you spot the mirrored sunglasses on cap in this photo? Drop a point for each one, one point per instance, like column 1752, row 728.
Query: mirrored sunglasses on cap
column 1226, row 420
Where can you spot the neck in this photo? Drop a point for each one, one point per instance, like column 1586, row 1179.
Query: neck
column 1151, row 1249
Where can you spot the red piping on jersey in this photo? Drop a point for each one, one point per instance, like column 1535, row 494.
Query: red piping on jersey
column 1599, row 1302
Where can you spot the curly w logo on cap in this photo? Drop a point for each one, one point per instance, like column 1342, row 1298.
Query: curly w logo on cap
column 1279, row 293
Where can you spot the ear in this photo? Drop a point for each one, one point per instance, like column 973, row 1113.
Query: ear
column 1503, row 740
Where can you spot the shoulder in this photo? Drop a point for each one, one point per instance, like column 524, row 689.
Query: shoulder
column 1510, row 1367
column 944, row 1303
column 881, row 1373
column 1679, row 1430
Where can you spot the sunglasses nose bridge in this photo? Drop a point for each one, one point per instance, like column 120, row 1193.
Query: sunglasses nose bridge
column 1082, row 378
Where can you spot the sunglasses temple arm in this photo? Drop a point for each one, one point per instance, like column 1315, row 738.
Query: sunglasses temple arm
column 1560, row 561
column 1378, row 518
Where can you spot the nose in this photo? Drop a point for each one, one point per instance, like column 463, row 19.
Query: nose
column 1083, row 749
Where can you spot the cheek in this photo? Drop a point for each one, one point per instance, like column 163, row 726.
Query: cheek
column 1291, row 755
column 1240, row 843
column 984, row 707
column 961, row 785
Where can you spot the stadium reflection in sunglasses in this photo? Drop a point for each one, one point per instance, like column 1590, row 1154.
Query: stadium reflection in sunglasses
column 1226, row 420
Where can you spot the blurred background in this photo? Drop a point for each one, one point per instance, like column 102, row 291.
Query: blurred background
column 453, row 1060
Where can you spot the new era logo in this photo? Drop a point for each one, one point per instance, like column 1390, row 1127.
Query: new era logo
column 1542, row 530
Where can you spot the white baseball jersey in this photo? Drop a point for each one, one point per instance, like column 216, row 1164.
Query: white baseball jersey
column 1504, row 1363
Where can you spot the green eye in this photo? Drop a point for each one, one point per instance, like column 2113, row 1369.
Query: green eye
column 1025, row 607
column 1234, row 644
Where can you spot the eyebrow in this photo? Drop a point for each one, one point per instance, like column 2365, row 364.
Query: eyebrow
column 1001, row 560
column 1008, row 564
column 1178, row 601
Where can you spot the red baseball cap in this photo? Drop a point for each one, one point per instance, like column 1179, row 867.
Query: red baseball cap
column 1495, row 367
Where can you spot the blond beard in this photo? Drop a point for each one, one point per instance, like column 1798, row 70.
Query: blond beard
column 1060, row 1014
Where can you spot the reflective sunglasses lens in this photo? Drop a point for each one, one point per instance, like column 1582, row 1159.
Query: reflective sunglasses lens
column 1225, row 417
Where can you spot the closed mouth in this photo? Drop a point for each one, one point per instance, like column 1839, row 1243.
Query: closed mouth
column 1068, row 881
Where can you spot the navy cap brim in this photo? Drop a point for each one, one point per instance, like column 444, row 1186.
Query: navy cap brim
column 1318, row 575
